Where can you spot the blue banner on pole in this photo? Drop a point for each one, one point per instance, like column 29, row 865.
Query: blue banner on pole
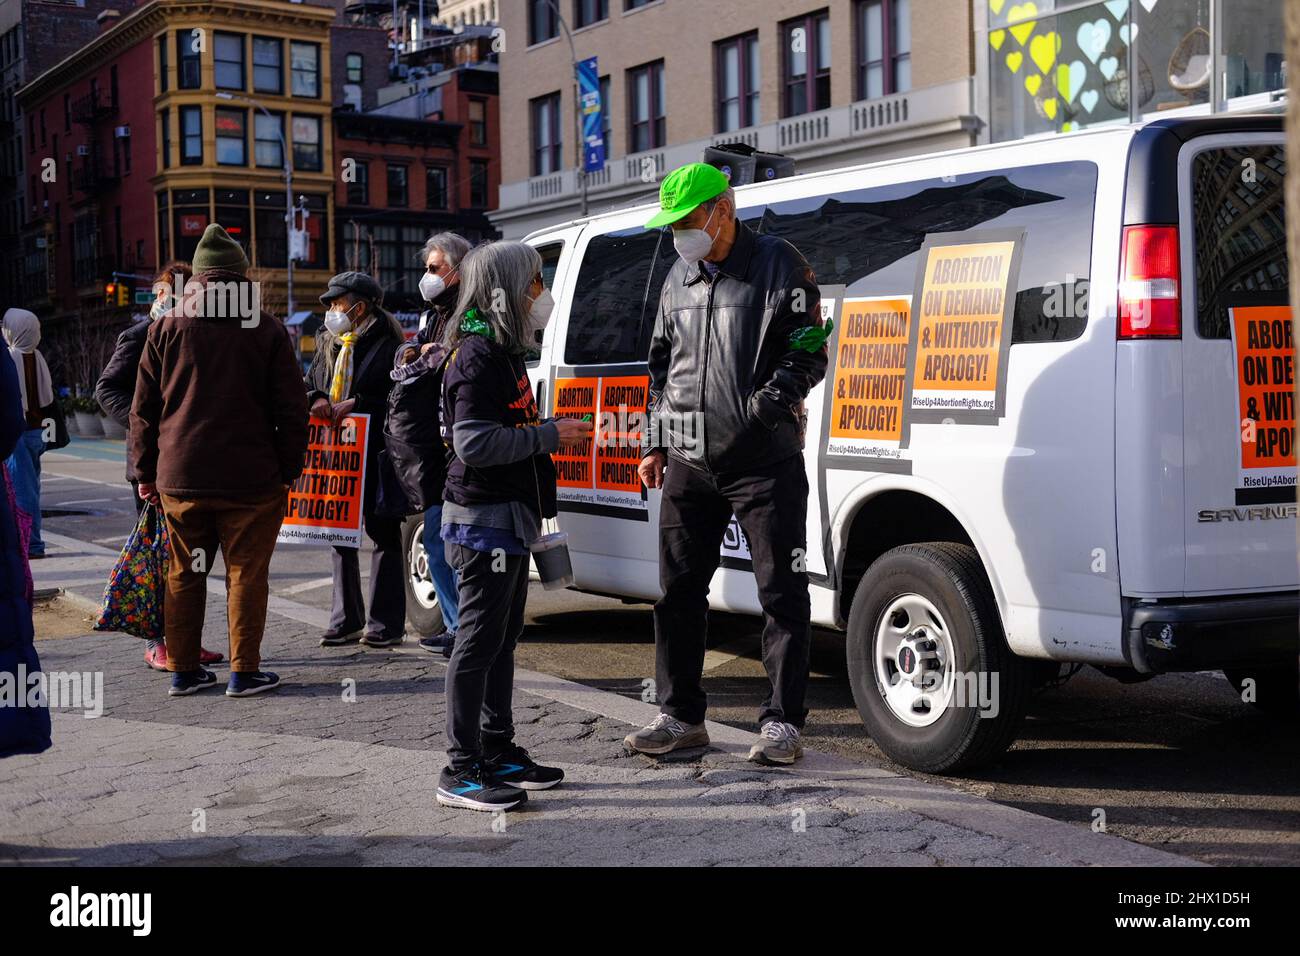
column 593, row 136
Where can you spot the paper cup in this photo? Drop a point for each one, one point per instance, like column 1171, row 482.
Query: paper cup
column 551, row 555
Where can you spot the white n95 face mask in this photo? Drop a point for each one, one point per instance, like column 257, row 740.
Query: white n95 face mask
column 694, row 244
column 337, row 322
column 432, row 286
column 539, row 313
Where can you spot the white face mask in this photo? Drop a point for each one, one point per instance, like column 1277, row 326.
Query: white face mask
column 694, row 244
column 157, row 310
column 539, row 313
column 432, row 286
column 337, row 322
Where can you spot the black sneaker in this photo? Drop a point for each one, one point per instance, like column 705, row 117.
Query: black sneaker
column 472, row 790
column 379, row 640
column 248, row 683
column 185, row 683
column 339, row 638
column 440, row 643
column 515, row 768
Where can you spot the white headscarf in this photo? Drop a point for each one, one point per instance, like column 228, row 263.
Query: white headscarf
column 22, row 331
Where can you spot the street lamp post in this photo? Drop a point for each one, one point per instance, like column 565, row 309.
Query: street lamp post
column 288, row 193
column 577, row 105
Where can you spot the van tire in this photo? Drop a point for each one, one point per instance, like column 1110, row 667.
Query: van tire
column 1277, row 688
column 952, row 579
column 425, row 619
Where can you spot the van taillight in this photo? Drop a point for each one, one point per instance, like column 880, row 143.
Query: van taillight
column 1149, row 307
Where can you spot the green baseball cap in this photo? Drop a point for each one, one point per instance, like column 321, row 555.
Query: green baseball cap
column 684, row 189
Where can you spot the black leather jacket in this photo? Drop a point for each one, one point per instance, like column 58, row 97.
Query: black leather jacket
column 726, row 386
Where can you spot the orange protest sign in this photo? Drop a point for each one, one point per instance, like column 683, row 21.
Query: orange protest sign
column 599, row 476
column 622, row 422
column 325, row 503
column 574, row 398
column 961, row 312
column 1265, row 364
column 869, row 381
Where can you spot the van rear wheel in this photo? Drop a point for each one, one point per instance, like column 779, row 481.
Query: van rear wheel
column 423, row 613
column 1276, row 690
column 934, row 682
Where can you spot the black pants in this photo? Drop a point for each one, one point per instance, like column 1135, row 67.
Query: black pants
column 771, row 504
column 387, row 615
column 481, row 675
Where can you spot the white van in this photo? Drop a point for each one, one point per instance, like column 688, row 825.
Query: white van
column 1057, row 426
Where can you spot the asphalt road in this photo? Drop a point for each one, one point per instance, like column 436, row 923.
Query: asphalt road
column 1178, row 762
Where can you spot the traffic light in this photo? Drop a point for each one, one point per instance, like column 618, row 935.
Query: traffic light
column 117, row 294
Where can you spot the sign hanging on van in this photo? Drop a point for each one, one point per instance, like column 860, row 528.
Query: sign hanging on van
column 1264, row 357
column 869, row 381
column 599, row 475
column 963, row 308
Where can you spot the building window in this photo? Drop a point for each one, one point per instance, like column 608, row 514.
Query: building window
column 162, row 63
column 354, row 67
column 737, row 82
column 478, row 183
column 477, row 122
column 267, row 148
column 228, row 60
column 634, row 4
column 304, row 59
column 435, row 187
column 645, row 100
column 359, row 188
column 188, row 76
column 268, row 65
column 542, row 24
column 884, row 41
column 306, row 143
column 606, row 115
column 191, row 136
column 164, row 228
column 545, row 112
column 165, row 121
column 806, row 55
column 232, row 137
column 397, row 192
column 587, row 12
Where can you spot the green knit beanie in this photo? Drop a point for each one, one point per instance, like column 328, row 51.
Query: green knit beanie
column 216, row 250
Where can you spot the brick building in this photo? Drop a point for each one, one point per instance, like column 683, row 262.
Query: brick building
column 34, row 35
column 169, row 119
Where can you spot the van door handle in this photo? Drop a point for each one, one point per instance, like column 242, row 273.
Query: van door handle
column 541, row 396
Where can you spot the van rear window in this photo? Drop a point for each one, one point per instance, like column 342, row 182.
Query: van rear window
column 1239, row 212
column 869, row 239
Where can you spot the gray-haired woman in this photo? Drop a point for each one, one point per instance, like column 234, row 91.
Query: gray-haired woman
column 500, row 484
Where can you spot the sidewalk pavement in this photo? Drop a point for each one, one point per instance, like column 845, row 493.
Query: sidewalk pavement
column 339, row 766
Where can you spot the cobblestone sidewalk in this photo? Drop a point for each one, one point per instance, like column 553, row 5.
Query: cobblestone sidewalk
column 339, row 768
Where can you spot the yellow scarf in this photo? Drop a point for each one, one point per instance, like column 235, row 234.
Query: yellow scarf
column 342, row 383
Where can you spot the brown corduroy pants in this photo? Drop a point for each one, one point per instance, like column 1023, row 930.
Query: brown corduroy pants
column 245, row 529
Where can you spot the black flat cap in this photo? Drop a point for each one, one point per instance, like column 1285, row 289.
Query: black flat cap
column 356, row 283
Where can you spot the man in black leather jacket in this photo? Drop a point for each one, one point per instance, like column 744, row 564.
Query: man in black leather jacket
column 738, row 344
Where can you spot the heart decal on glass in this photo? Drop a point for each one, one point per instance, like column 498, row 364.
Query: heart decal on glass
column 1093, row 37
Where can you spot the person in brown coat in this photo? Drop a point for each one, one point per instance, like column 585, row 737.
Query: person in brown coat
column 218, row 434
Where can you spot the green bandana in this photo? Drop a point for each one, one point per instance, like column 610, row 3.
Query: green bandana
column 472, row 324
column 811, row 337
